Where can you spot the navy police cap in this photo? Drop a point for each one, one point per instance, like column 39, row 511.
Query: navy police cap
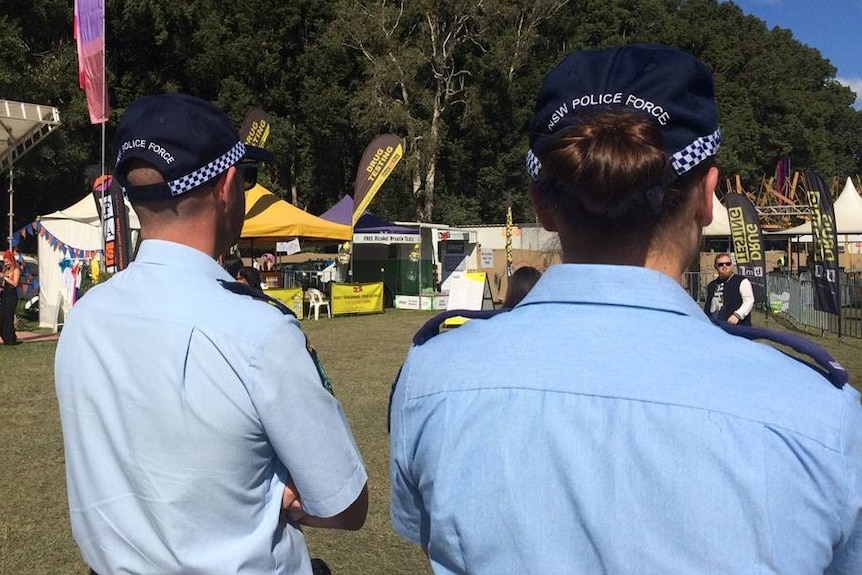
column 671, row 87
column 188, row 140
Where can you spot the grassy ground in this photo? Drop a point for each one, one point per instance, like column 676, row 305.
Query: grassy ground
column 362, row 355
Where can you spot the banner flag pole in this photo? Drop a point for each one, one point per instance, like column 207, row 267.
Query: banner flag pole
column 827, row 296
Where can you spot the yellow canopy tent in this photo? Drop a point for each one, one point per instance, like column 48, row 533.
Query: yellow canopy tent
column 267, row 216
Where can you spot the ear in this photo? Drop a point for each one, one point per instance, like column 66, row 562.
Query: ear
column 703, row 210
column 540, row 206
column 225, row 185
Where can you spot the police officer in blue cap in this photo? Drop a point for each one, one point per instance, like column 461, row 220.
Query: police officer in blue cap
column 199, row 435
column 592, row 428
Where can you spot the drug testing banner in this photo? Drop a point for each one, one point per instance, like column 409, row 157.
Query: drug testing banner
column 255, row 128
column 379, row 159
column 747, row 238
column 827, row 296
column 356, row 298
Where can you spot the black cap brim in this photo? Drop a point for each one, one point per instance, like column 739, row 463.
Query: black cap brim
column 257, row 154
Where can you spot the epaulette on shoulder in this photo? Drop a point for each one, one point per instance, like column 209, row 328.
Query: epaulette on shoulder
column 824, row 363
column 432, row 326
column 245, row 289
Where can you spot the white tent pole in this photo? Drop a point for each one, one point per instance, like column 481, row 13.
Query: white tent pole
column 419, row 275
column 104, row 96
column 11, row 211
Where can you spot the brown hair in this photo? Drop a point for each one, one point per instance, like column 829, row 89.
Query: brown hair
column 520, row 284
column 610, row 173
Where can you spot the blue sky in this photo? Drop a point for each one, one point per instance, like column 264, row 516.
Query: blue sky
column 832, row 26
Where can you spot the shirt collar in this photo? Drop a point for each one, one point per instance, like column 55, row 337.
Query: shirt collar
column 188, row 259
column 629, row 286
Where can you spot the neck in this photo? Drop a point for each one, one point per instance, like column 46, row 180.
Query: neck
column 658, row 255
column 193, row 237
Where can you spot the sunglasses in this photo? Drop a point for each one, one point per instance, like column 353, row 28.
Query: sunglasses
column 723, row 264
column 248, row 170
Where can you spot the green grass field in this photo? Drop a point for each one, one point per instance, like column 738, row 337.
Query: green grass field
column 362, row 355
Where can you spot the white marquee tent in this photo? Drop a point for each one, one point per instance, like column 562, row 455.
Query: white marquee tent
column 78, row 228
column 848, row 218
column 720, row 225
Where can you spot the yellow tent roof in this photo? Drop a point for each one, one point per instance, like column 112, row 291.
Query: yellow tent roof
column 267, row 216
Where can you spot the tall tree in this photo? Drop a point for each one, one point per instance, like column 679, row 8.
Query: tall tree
column 456, row 79
column 414, row 53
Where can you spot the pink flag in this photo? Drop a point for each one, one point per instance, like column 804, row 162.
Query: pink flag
column 90, row 38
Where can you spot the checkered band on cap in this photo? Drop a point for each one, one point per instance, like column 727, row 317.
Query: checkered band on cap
column 682, row 161
column 534, row 166
column 208, row 172
column 696, row 152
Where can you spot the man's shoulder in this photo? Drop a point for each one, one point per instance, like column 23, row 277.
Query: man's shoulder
column 244, row 311
column 736, row 279
column 199, row 302
column 257, row 295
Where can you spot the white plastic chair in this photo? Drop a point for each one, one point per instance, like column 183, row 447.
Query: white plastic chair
column 316, row 301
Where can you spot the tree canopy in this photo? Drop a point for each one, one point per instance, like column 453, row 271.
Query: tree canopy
column 455, row 78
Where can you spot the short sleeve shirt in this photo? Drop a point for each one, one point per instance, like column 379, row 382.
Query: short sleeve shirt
column 185, row 410
column 605, row 426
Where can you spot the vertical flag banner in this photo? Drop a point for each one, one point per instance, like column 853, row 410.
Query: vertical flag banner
column 89, row 32
column 509, row 258
column 379, row 159
column 827, row 296
column 255, row 128
column 747, row 237
column 122, row 228
column 115, row 222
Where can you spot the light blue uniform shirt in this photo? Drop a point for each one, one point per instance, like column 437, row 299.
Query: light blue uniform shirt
column 605, row 426
column 185, row 408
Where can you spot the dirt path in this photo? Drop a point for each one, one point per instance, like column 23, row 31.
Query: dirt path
column 31, row 336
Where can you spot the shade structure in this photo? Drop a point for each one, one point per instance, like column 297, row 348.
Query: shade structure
column 22, row 126
column 268, row 217
column 342, row 213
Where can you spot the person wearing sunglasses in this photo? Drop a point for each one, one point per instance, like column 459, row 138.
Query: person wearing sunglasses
column 198, row 433
column 729, row 297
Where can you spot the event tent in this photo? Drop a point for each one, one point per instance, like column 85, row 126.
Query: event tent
column 268, row 217
column 22, row 126
column 71, row 233
column 848, row 217
column 342, row 213
column 720, row 225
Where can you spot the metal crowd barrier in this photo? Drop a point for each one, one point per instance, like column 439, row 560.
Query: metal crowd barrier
column 792, row 297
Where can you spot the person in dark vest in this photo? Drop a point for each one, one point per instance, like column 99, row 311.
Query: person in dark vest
column 729, row 297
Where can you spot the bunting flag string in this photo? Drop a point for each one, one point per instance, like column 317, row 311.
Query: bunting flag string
column 37, row 229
